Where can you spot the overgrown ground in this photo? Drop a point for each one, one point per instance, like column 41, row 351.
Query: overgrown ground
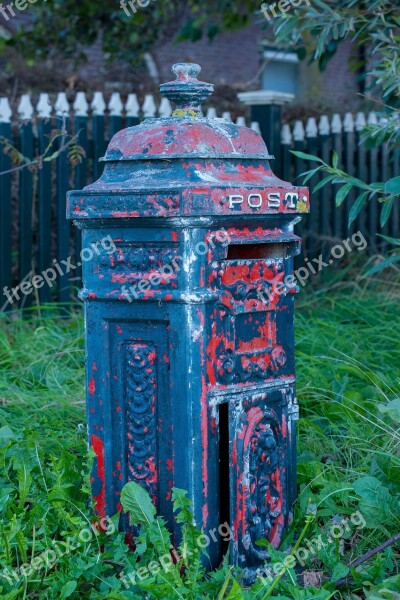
column 348, row 366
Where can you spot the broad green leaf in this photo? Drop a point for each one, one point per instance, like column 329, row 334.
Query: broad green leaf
column 386, row 210
column 67, row 589
column 342, row 193
column 378, row 186
column 307, row 156
column 339, row 571
column 393, row 186
column 376, row 504
column 6, row 435
column 309, row 174
column 323, row 182
column 392, row 409
column 357, row 206
column 137, row 502
column 394, row 241
column 384, row 264
column 335, row 159
column 236, row 592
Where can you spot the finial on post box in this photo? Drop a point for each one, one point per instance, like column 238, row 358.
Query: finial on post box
column 187, row 92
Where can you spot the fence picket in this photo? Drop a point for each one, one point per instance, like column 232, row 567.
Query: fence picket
column 395, row 216
column 44, row 110
column 384, row 176
column 361, row 167
column 311, row 243
column 132, row 110
column 63, row 226
column 165, row 108
column 115, row 107
column 6, row 202
column 81, row 107
column 325, row 194
column 149, row 107
column 299, row 136
column 349, row 166
column 98, row 107
column 337, row 146
column 26, row 198
column 373, row 214
column 286, row 145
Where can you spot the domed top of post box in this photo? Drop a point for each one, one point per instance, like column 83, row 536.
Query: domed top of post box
column 187, row 166
column 186, row 133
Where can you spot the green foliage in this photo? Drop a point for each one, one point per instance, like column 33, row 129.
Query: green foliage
column 374, row 28
column 68, row 26
column 348, row 462
column 59, row 142
column 320, row 27
column 387, row 193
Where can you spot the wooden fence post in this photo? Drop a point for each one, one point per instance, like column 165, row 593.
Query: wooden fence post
column 266, row 109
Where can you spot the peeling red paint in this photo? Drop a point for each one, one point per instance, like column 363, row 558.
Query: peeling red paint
column 100, row 503
column 92, row 387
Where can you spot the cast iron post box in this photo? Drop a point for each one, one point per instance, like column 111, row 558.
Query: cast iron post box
column 189, row 322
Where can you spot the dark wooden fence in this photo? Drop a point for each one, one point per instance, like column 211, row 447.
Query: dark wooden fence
column 327, row 224
column 34, row 233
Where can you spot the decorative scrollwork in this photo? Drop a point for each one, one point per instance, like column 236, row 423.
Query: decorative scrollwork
column 141, row 379
column 138, row 259
column 238, row 367
column 263, row 463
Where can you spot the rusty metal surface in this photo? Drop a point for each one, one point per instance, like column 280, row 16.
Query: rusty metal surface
column 190, row 368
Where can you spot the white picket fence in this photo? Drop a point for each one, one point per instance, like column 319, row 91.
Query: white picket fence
column 115, row 107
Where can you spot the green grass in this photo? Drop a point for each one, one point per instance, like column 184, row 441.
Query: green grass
column 348, row 369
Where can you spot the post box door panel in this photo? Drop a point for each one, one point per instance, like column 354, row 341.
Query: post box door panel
column 127, row 411
column 247, row 273
column 249, row 337
column 261, row 477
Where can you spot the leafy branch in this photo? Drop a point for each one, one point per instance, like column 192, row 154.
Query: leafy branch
column 57, row 137
column 386, row 192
